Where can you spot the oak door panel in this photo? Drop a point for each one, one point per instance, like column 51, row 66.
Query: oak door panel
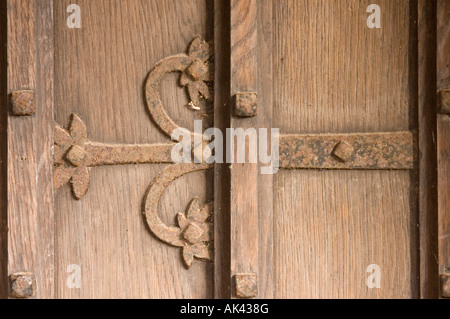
column 332, row 74
column 100, row 71
column 317, row 68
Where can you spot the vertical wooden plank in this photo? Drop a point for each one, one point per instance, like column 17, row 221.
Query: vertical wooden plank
column 427, row 146
column 443, row 44
column 43, row 142
column 265, row 116
column 443, row 135
column 244, row 39
column 244, row 221
column 336, row 75
column 100, row 70
column 22, row 205
column 222, row 174
column 3, row 152
column 443, row 144
column 30, row 141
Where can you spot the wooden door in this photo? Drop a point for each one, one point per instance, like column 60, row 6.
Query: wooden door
column 337, row 221
column 100, row 71
column 334, row 74
column 96, row 206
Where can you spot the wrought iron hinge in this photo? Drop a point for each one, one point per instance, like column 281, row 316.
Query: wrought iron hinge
column 75, row 154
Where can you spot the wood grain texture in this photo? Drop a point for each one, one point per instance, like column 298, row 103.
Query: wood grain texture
column 427, row 103
column 335, row 75
column 443, row 135
column 244, row 38
column 306, row 233
column 3, row 151
column 444, row 192
column 100, row 74
column 330, row 226
column 222, row 186
column 265, row 120
column 244, row 219
column 44, row 33
column 30, row 145
column 443, row 44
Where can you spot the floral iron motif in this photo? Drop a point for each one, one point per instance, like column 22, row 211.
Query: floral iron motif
column 75, row 154
column 195, row 229
column 195, row 71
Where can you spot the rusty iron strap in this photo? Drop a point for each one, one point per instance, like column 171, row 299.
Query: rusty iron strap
column 74, row 154
column 394, row 151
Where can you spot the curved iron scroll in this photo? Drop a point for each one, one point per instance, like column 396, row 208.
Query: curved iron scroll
column 75, row 154
column 195, row 229
column 195, row 71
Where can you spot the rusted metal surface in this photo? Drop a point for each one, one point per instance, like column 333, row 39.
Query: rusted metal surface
column 198, row 70
column 23, row 103
column 99, row 154
column 445, row 285
column 68, row 147
column 445, row 101
column 349, row 151
column 194, row 231
column 195, row 71
column 22, row 285
column 75, row 154
column 246, row 286
column 246, row 104
column 344, row 151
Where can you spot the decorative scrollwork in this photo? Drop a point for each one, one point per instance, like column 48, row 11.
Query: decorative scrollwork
column 195, row 228
column 69, row 157
column 195, row 71
column 75, row 155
